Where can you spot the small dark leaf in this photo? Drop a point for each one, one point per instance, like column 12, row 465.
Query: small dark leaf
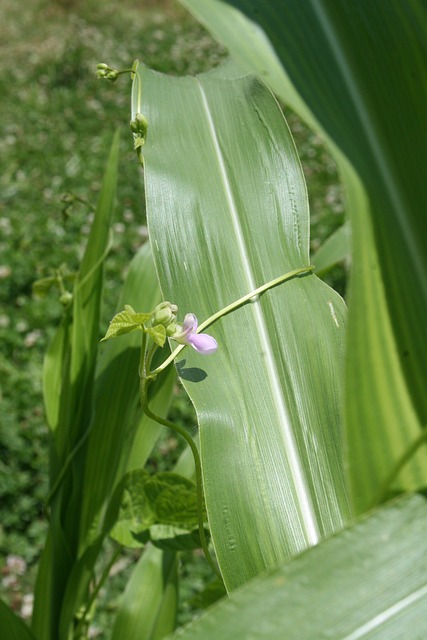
column 170, row 538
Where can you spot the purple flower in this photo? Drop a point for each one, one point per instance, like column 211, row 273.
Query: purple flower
column 201, row 342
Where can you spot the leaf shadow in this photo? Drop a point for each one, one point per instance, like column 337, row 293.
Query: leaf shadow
column 192, row 374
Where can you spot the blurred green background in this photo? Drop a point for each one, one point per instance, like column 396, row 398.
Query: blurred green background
column 57, row 121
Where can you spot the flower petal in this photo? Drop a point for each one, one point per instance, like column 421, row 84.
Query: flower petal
column 190, row 324
column 203, row 343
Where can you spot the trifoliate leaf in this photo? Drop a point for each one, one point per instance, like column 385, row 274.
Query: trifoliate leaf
column 158, row 333
column 159, row 508
column 173, row 499
column 125, row 322
column 135, row 513
column 139, row 318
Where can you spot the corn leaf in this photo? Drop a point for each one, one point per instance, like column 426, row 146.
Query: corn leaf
column 12, row 627
column 148, row 607
column 120, row 437
column 350, row 586
column 355, row 71
column 227, row 212
column 68, row 379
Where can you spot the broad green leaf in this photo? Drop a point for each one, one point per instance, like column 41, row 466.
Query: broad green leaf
column 172, row 498
column 147, row 609
column 136, row 513
column 134, row 608
column 165, row 498
column 227, row 212
column 369, row 581
column 12, row 627
column 248, row 45
column 345, row 64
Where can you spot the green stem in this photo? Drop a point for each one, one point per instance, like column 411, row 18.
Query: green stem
column 145, row 362
column 249, row 297
column 143, row 359
column 94, row 594
column 199, row 482
column 122, row 71
column 405, row 458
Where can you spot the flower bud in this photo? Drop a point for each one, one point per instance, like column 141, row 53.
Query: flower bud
column 164, row 313
column 66, row 298
column 139, row 124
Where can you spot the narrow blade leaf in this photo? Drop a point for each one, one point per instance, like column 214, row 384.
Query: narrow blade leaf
column 230, row 217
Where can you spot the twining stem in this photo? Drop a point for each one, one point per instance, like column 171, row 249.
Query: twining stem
column 199, row 485
column 249, row 297
column 144, row 384
column 403, row 460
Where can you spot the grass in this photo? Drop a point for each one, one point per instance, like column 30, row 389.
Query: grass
column 57, row 124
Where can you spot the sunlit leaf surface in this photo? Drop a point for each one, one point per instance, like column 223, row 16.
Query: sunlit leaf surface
column 355, row 70
column 148, row 605
column 227, row 212
column 350, row 587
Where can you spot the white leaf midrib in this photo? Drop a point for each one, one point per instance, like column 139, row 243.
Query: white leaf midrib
column 386, row 615
column 301, row 490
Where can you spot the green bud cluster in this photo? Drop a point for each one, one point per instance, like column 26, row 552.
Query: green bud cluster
column 163, row 322
column 139, row 127
column 164, row 314
column 65, row 298
column 139, row 124
column 104, row 71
